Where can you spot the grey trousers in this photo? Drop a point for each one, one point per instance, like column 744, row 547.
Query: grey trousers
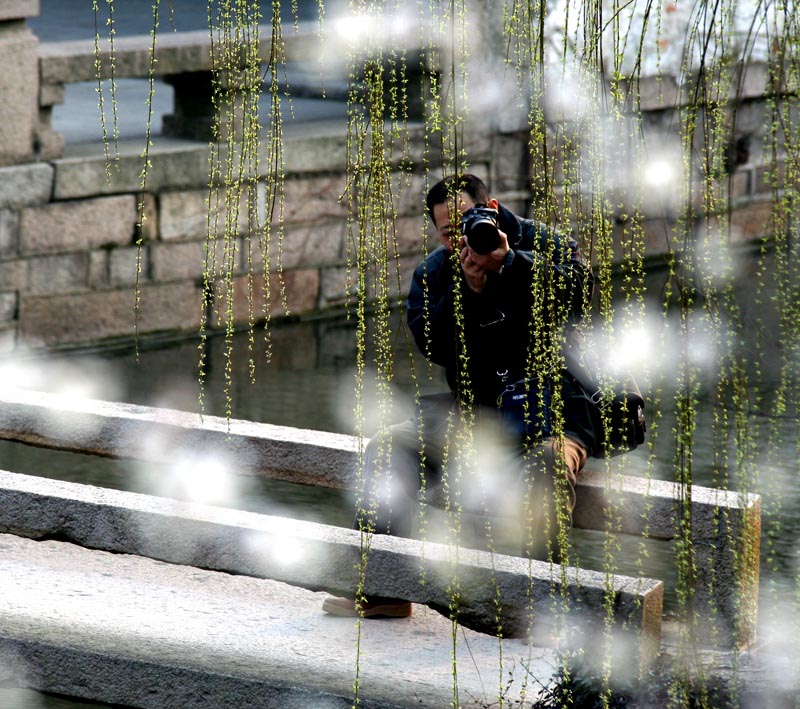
column 468, row 462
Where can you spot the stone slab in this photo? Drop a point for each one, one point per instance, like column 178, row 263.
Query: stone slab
column 19, row 82
column 14, row 274
column 313, row 457
column 175, row 53
column 24, row 185
column 492, row 588
column 78, row 225
column 298, row 287
column 92, row 316
column 62, row 273
column 131, row 631
column 174, row 165
column 147, row 433
column 185, row 214
column 17, row 9
column 725, row 524
column 658, row 502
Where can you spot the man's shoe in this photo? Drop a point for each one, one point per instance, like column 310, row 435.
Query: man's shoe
column 371, row 607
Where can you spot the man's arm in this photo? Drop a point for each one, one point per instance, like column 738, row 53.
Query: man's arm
column 553, row 262
column 430, row 311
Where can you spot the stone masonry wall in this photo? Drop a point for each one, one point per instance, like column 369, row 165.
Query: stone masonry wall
column 69, row 260
column 69, row 264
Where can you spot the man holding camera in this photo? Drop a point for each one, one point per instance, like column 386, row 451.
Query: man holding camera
column 493, row 305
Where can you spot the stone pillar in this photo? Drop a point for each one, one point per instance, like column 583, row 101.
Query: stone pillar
column 19, row 82
column 196, row 101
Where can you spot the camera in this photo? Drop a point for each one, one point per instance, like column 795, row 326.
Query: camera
column 479, row 227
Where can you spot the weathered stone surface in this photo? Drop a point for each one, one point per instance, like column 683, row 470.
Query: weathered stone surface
column 78, row 225
column 659, row 92
column 147, row 229
column 725, row 522
column 337, row 284
column 318, row 151
column 187, row 260
column 751, row 221
column 50, row 95
column 304, row 246
column 770, row 177
column 8, row 307
column 411, row 234
column 98, row 268
column 92, row 316
column 9, row 232
column 299, row 286
column 69, row 62
column 135, row 632
column 174, row 165
column 118, row 266
column 124, row 264
column 106, row 428
column 302, row 291
column 328, row 557
column 726, row 528
column 24, row 185
column 18, row 9
column 171, row 262
column 19, row 83
column 176, row 53
column 58, row 274
column 313, row 199
column 185, row 214
column 742, row 183
column 14, row 275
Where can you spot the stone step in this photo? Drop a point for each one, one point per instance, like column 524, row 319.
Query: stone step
column 725, row 524
column 491, row 589
column 128, row 630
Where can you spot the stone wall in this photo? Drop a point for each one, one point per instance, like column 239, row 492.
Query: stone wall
column 69, row 263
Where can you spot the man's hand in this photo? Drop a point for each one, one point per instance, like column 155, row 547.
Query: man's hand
column 475, row 266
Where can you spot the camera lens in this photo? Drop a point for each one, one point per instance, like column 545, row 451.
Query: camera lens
column 482, row 236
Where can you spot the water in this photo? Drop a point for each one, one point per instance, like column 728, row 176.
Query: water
column 309, row 383
column 66, row 20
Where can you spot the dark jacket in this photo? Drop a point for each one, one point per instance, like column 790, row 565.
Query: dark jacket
column 511, row 328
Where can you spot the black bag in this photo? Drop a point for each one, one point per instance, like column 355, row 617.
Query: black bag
column 620, row 419
column 618, row 411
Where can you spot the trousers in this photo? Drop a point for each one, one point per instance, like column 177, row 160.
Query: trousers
column 469, row 462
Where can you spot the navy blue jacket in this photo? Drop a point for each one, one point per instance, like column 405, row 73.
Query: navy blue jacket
column 511, row 329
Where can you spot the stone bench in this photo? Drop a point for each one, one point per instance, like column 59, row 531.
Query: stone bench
column 186, row 61
column 725, row 524
column 130, row 631
column 182, row 59
column 323, row 557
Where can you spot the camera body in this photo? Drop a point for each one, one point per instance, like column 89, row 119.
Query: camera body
column 479, row 227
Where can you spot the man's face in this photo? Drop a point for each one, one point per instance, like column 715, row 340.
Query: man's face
column 447, row 224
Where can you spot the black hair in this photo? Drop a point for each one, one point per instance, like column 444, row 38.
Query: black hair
column 446, row 190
